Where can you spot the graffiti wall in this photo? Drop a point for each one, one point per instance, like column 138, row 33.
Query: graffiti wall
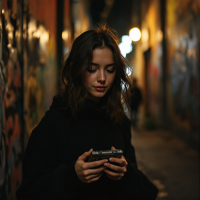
column 28, row 80
column 40, row 67
column 183, row 34
column 11, row 107
column 151, row 44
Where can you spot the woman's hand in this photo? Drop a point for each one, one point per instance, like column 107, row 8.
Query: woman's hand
column 84, row 169
column 119, row 170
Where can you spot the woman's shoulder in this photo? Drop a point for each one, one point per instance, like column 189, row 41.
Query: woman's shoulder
column 58, row 109
column 49, row 127
column 57, row 115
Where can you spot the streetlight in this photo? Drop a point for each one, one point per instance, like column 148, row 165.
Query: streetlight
column 135, row 34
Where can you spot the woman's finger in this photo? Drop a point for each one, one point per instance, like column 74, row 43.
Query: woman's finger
column 113, row 175
column 93, row 171
column 89, row 165
column 94, row 179
column 116, row 168
column 93, row 176
column 116, row 178
column 121, row 161
column 85, row 155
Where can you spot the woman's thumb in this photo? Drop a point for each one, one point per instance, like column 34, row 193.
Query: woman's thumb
column 85, row 155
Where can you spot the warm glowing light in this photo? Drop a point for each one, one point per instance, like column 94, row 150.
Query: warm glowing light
column 65, row 35
column 9, row 27
column 10, row 35
column 42, row 34
column 32, row 27
column 145, row 35
column 37, row 34
column 44, row 38
column 159, row 35
column 3, row 11
column 135, row 34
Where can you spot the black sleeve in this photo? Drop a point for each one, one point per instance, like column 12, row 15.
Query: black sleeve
column 136, row 184
column 43, row 177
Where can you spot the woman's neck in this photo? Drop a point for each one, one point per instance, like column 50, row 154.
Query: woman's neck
column 94, row 99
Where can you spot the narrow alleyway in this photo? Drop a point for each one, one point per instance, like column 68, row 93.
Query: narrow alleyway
column 169, row 163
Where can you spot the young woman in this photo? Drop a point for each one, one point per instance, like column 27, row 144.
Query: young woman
column 87, row 115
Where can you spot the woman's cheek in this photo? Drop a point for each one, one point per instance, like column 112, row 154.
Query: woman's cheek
column 91, row 78
column 88, row 78
column 111, row 79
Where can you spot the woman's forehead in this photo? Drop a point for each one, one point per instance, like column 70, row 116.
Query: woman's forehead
column 102, row 55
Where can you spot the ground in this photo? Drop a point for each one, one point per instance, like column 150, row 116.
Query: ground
column 169, row 163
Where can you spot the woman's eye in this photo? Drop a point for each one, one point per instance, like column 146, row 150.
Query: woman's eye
column 91, row 70
column 110, row 71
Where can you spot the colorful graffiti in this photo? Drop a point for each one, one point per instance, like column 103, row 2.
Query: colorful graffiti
column 11, row 98
column 28, row 77
column 183, row 28
column 152, row 47
column 40, row 67
column 39, row 86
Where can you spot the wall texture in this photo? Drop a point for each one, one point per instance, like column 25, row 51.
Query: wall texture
column 28, row 80
column 181, row 71
column 11, row 106
column 183, row 37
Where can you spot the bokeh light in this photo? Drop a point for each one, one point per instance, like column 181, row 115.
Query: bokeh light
column 125, row 46
column 135, row 34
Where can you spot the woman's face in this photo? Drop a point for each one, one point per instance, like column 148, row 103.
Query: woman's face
column 100, row 75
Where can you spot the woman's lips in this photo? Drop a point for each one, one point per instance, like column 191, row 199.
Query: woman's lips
column 100, row 88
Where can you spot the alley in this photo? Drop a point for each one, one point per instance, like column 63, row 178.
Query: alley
column 142, row 53
column 169, row 163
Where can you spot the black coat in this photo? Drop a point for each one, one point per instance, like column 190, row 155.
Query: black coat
column 57, row 142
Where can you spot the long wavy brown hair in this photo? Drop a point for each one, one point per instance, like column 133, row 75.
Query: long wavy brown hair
column 78, row 61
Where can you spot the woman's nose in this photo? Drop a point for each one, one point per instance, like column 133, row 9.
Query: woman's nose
column 102, row 77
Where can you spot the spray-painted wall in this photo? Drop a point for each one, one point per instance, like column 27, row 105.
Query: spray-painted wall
column 29, row 70
column 183, row 34
column 182, row 54
column 151, row 50
column 40, row 67
column 11, row 103
column 28, row 80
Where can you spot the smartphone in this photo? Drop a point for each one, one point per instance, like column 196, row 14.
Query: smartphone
column 105, row 154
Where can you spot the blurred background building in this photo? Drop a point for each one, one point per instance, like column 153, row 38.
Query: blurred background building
column 35, row 35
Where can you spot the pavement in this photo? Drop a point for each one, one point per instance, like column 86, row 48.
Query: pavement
column 169, row 163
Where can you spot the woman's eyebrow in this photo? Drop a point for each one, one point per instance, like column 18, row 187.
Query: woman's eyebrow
column 95, row 64
column 110, row 64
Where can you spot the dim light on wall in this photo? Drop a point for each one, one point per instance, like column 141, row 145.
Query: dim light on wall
column 42, row 34
column 44, row 37
column 135, row 34
column 145, row 36
column 159, row 35
column 32, row 27
column 65, row 35
column 9, row 45
column 3, row 11
column 37, row 34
